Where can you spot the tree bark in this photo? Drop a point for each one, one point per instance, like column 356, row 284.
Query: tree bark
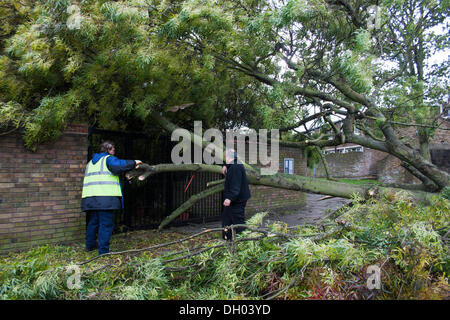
column 283, row 181
column 278, row 180
column 325, row 165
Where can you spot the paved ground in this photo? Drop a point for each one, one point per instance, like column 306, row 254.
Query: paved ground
column 312, row 212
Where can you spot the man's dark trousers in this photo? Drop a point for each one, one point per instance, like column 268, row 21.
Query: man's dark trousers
column 233, row 214
column 101, row 223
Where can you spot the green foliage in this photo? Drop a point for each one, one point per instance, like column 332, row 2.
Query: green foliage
column 112, row 68
column 149, row 281
column 240, row 62
column 31, row 278
column 356, row 69
column 11, row 113
column 409, row 234
column 402, row 237
column 445, row 193
column 46, row 121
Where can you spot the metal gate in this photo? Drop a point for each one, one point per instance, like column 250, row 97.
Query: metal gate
column 147, row 203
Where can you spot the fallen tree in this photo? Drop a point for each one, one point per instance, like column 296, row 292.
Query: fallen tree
column 407, row 241
column 278, row 180
column 327, row 259
column 323, row 59
column 221, row 63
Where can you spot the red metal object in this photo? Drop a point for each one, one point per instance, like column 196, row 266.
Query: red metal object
column 189, row 183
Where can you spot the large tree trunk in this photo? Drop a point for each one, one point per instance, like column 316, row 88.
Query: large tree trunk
column 283, row 181
column 278, row 180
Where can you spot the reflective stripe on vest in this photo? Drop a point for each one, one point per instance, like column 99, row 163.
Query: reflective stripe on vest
column 99, row 181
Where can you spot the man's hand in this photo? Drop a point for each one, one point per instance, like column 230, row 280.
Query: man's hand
column 224, row 170
column 227, row 202
column 138, row 162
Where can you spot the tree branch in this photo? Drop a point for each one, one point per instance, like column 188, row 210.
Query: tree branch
column 190, row 202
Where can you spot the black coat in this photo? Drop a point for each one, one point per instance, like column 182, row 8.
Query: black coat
column 116, row 166
column 236, row 184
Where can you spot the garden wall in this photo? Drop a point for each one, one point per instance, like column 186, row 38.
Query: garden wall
column 352, row 164
column 40, row 191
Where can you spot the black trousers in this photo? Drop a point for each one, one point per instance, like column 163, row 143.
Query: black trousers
column 233, row 214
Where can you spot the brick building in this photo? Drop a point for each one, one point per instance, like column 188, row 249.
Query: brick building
column 40, row 192
column 355, row 161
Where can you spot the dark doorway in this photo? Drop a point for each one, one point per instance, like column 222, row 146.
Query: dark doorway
column 147, row 203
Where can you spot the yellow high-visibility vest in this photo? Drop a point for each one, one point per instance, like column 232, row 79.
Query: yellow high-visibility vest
column 99, row 181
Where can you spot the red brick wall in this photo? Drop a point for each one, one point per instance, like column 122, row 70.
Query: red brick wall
column 274, row 200
column 352, row 164
column 389, row 170
column 384, row 167
column 442, row 135
column 279, row 200
column 40, row 191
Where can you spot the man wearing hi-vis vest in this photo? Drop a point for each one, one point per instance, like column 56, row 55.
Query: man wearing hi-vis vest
column 102, row 195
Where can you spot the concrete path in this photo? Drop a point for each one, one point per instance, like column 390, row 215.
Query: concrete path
column 312, row 212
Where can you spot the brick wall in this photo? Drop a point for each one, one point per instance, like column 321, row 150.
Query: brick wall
column 387, row 168
column 373, row 164
column 442, row 135
column 40, row 191
column 279, row 200
column 274, row 200
column 352, row 164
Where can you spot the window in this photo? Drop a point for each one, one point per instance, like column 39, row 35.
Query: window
column 344, row 150
column 354, row 149
column 289, row 165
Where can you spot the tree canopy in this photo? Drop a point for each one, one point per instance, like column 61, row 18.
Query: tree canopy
column 257, row 63
column 112, row 69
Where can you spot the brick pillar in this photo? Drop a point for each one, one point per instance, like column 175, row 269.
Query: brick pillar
column 40, row 192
